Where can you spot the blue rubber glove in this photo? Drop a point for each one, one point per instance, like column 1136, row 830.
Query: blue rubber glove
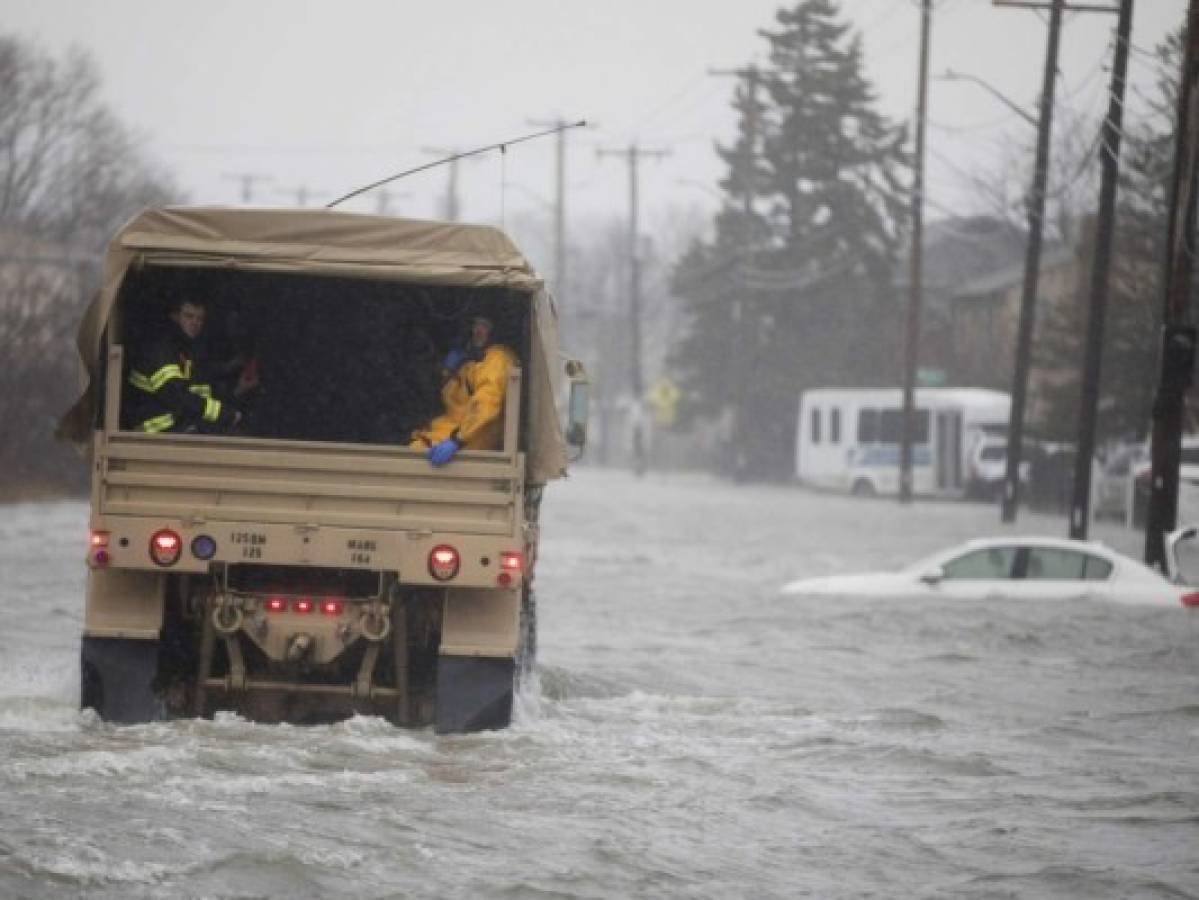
column 443, row 451
column 455, row 358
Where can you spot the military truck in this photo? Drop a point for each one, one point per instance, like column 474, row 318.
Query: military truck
column 309, row 564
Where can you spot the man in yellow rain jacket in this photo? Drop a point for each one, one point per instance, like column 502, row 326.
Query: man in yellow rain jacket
column 477, row 380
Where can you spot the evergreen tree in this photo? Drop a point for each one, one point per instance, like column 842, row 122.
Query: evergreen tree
column 835, row 164
column 805, row 246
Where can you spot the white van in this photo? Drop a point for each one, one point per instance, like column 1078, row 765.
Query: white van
column 848, row 438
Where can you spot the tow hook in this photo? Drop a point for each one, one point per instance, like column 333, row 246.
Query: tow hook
column 227, row 616
column 299, row 646
column 375, row 624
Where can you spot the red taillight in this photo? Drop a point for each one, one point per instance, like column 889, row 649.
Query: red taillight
column 165, row 547
column 511, row 561
column 332, row 607
column 1191, row 599
column 443, row 562
column 303, row 606
column 98, row 539
column 276, row 604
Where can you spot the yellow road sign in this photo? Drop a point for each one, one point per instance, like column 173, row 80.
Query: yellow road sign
column 663, row 396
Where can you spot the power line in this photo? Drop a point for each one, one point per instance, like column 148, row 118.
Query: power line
column 502, row 146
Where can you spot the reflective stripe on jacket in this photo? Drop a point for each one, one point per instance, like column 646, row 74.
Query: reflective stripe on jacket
column 164, row 397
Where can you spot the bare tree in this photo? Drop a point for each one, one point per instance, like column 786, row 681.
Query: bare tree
column 70, row 173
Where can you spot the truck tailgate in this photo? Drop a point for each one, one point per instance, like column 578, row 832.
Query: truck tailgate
column 337, row 485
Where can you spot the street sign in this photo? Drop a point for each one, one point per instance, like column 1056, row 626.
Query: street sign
column 663, row 396
column 930, row 377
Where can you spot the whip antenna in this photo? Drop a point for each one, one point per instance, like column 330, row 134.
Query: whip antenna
column 501, row 146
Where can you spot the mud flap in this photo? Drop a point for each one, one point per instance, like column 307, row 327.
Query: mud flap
column 526, row 650
column 474, row 693
column 117, row 679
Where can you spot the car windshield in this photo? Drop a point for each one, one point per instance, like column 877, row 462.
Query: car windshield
column 965, row 563
column 993, row 454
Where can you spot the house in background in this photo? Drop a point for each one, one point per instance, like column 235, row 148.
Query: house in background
column 956, row 251
column 985, row 316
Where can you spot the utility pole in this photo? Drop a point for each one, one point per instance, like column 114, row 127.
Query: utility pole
column 559, row 203
column 301, row 194
column 1177, row 357
column 248, row 180
column 1109, row 155
column 632, row 155
column 739, row 313
column 1032, row 268
column 916, row 279
column 383, row 200
column 452, row 208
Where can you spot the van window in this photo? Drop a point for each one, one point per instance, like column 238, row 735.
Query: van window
column 891, row 426
column 867, row 426
column 816, row 426
column 1190, row 456
column 834, row 426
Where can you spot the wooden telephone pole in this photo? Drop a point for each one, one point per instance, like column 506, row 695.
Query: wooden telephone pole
column 1032, row 269
column 1101, row 264
column 632, row 155
column 916, row 278
column 1177, row 356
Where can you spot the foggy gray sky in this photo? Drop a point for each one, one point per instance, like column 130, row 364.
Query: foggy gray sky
column 328, row 96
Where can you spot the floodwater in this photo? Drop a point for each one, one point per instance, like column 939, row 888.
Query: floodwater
column 693, row 733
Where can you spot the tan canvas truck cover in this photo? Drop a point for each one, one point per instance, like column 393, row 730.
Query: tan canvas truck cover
column 330, row 243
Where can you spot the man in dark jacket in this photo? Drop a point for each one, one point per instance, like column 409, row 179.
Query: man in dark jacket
column 167, row 392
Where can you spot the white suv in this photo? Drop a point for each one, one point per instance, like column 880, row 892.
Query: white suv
column 1188, row 485
column 986, row 467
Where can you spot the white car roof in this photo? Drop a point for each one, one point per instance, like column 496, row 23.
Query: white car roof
column 1053, row 543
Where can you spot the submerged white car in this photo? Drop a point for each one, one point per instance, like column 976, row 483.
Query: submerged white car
column 1014, row 568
